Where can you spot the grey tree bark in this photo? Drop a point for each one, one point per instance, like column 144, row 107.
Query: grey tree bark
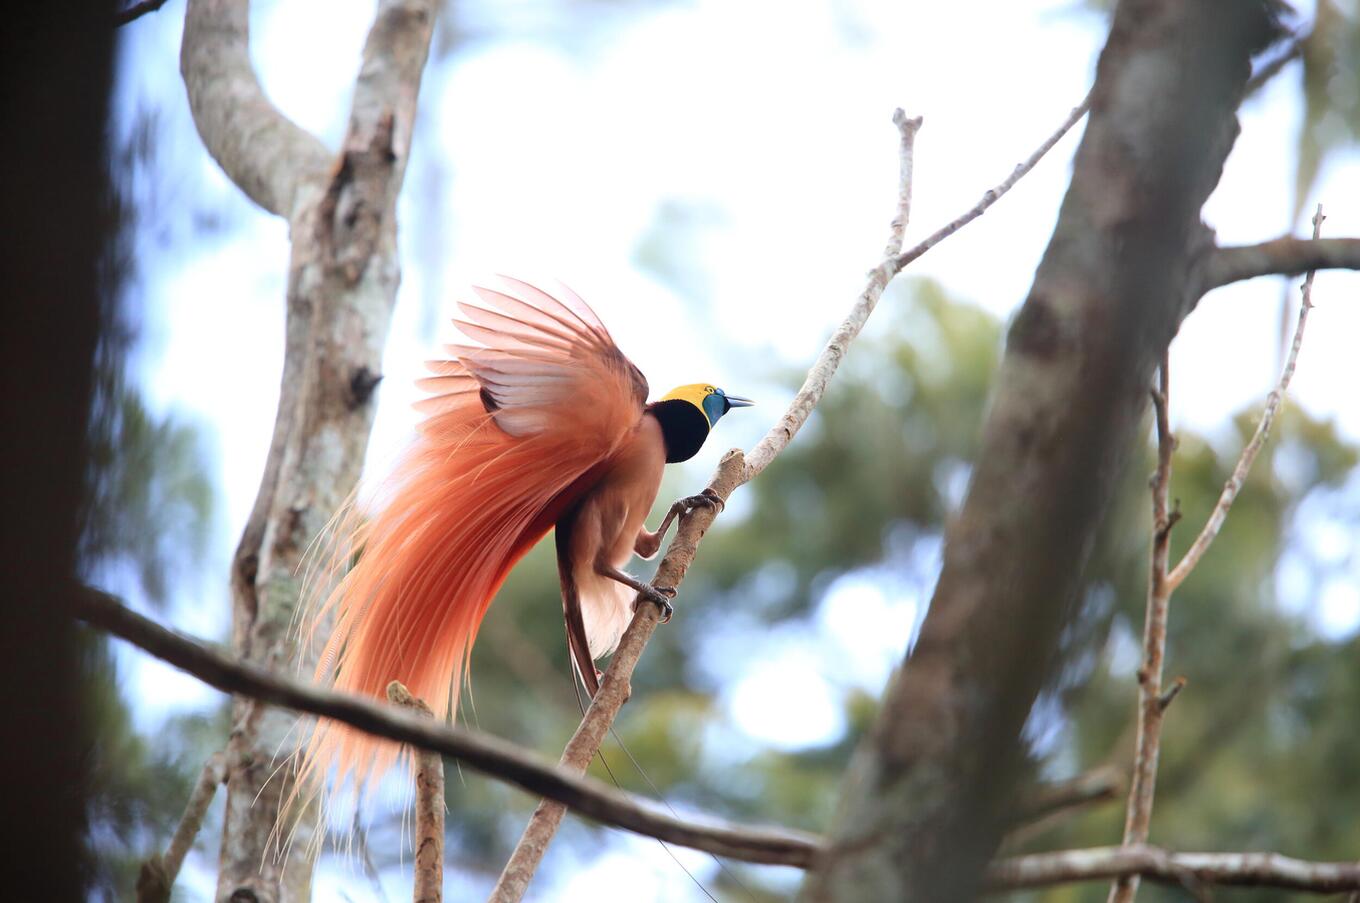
column 342, row 283
column 924, row 802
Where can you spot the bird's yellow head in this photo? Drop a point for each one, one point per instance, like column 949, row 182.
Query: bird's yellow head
column 688, row 414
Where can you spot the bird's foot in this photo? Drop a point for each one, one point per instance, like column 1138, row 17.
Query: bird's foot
column 660, row 596
column 706, row 499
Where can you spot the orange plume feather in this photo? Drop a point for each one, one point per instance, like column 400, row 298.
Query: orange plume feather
column 518, row 428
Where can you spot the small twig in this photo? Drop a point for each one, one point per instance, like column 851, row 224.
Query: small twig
column 1195, row 871
column 1170, row 695
column 1253, row 448
column 158, row 873
column 429, row 837
column 1142, row 787
column 819, row 375
column 995, row 194
column 136, row 11
column 907, row 163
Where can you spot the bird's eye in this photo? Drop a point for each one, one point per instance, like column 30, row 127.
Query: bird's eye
column 709, row 390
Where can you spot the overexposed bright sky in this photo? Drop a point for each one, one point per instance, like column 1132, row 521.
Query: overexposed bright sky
column 547, row 148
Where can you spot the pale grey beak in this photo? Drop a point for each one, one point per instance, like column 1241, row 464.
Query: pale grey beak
column 736, row 401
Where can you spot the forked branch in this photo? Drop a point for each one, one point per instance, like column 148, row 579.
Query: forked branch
column 1162, row 582
column 734, row 470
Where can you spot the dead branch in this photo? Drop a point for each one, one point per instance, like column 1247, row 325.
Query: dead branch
column 1156, row 864
column 429, row 837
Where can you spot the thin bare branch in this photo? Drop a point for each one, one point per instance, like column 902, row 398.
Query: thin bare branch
column 136, row 11
column 1282, row 257
column 1273, row 402
column 500, row 759
column 429, row 837
column 1156, row 864
column 819, row 375
column 1142, row 787
column 993, row 195
column 157, row 875
column 265, row 153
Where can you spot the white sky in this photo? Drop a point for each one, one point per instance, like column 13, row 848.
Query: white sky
column 775, row 119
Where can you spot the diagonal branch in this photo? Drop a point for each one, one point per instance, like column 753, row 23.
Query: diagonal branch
column 492, row 756
column 265, row 153
column 1239, row 475
column 1156, row 864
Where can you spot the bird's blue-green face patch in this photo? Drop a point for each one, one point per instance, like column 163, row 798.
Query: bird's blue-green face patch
column 679, row 413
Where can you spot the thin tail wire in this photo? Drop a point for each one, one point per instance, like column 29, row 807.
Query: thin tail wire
column 657, row 791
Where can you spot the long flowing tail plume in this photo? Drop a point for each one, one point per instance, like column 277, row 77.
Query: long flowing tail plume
column 495, row 462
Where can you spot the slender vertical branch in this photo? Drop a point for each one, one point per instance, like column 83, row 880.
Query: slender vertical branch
column 1148, row 745
column 1163, row 582
column 1273, row 402
column 429, row 837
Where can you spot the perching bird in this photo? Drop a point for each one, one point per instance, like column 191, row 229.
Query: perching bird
column 544, row 424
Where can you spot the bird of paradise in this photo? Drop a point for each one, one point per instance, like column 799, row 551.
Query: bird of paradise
column 543, row 424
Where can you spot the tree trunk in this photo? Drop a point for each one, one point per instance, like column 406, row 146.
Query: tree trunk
column 342, row 283
column 924, row 802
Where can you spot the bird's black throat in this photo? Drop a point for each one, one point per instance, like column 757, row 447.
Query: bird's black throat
column 683, row 427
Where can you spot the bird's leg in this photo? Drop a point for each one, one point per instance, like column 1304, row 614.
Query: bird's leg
column 648, row 543
column 661, row 596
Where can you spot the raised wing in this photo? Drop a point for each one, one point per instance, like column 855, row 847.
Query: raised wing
column 543, row 364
